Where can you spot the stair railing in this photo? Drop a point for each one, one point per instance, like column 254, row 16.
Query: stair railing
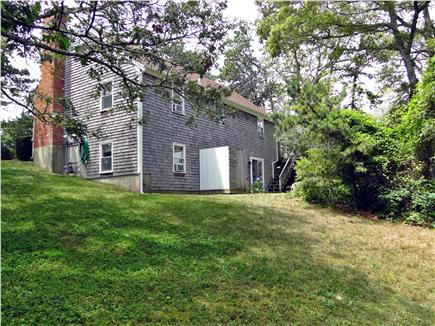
column 285, row 174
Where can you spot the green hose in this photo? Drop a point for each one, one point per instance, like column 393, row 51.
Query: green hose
column 84, row 151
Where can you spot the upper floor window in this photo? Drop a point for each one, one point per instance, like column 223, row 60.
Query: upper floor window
column 179, row 158
column 106, row 157
column 221, row 118
column 177, row 103
column 220, row 113
column 260, row 127
column 106, row 96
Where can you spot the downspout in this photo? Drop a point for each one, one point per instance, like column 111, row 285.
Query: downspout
column 277, row 157
column 140, row 136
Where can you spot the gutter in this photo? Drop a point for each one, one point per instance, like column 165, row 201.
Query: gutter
column 277, row 158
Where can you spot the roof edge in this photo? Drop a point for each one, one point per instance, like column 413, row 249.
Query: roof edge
column 227, row 101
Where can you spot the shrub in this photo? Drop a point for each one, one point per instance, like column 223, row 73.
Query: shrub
column 7, row 153
column 413, row 200
column 16, row 138
column 331, row 192
column 257, row 185
column 317, row 183
column 350, row 166
column 23, row 148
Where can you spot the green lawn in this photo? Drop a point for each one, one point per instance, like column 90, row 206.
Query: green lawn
column 76, row 251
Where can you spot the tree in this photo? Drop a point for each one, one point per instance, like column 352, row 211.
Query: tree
column 175, row 38
column 414, row 123
column 353, row 41
column 16, row 137
column 246, row 73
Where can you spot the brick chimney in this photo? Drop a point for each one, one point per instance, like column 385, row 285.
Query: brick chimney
column 48, row 147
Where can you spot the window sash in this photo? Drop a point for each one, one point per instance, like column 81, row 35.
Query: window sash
column 260, row 127
column 177, row 103
column 106, row 158
column 179, row 158
column 106, row 99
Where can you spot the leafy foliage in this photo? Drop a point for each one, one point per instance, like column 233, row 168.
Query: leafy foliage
column 247, row 74
column 16, row 138
column 351, row 158
column 415, row 123
column 347, row 157
column 176, row 39
column 351, row 165
column 6, row 153
column 257, row 186
column 412, row 199
column 350, row 41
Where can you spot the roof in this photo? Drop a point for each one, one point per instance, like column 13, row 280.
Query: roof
column 234, row 100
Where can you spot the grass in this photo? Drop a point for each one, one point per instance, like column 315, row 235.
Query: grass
column 76, row 251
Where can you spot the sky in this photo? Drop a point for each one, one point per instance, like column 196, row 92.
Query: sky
column 242, row 9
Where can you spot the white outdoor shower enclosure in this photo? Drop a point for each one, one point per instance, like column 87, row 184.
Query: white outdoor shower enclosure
column 222, row 169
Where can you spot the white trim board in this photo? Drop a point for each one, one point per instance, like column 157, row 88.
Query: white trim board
column 250, row 168
column 106, row 81
column 184, row 157
column 100, row 145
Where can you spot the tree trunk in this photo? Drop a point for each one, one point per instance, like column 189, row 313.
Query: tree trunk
column 428, row 27
column 404, row 48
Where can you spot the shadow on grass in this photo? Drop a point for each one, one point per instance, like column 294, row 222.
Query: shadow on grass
column 80, row 252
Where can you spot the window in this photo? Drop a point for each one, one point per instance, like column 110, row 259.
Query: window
column 179, row 155
column 106, row 96
column 177, row 103
column 106, row 157
column 220, row 118
column 260, row 127
column 220, row 114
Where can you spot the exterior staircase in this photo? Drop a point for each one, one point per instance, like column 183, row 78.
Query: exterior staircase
column 284, row 175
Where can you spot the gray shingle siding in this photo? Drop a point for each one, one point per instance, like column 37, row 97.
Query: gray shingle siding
column 118, row 126
column 165, row 127
column 161, row 130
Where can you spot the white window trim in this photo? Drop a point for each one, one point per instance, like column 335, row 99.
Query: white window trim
column 100, row 155
column 262, row 169
column 183, row 112
column 106, row 81
column 258, row 129
column 184, row 157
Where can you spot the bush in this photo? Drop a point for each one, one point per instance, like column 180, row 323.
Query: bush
column 23, row 148
column 16, row 138
column 351, row 165
column 257, row 186
column 331, row 192
column 7, row 153
column 412, row 200
column 316, row 182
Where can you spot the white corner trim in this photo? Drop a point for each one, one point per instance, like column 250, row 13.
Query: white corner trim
column 140, row 136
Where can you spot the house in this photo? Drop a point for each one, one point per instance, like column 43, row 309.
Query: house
column 163, row 154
